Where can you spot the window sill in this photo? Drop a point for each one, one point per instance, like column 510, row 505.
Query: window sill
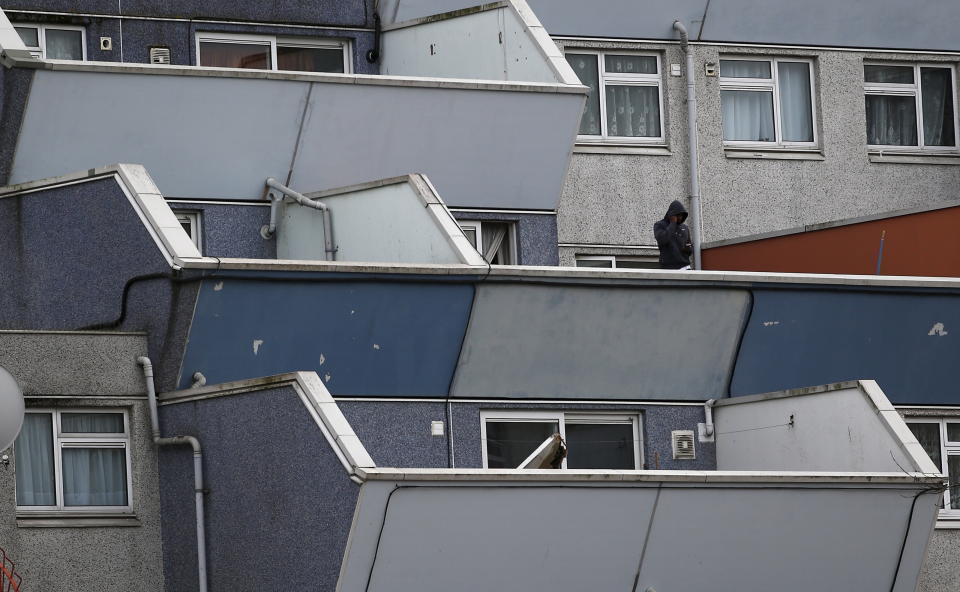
column 914, row 158
column 614, row 148
column 772, row 154
column 74, row 520
column 951, row 523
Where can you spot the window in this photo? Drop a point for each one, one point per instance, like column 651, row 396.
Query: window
column 912, row 106
column 49, row 42
column 617, row 262
column 941, row 440
column 624, row 103
column 594, row 440
column 76, row 460
column 767, row 102
column 190, row 221
column 298, row 54
column 496, row 241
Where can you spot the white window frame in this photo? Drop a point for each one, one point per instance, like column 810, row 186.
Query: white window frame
column 914, row 90
column 40, row 52
column 61, row 441
column 477, row 227
column 273, row 41
column 614, row 259
column 562, row 417
column 621, row 79
column 193, row 219
column 946, row 449
column 771, row 84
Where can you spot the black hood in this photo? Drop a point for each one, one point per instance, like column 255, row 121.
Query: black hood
column 676, row 209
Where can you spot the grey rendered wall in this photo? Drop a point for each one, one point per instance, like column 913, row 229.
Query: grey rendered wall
column 518, row 536
column 556, row 332
column 193, row 146
column 834, row 431
column 279, row 505
column 940, row 572
column 88, row 370
column 615, row 198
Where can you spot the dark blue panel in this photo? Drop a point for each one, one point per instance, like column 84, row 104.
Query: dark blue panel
column 385, row 339
column 804, row 338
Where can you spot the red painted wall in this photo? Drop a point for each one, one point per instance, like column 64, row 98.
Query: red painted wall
column 926, row 244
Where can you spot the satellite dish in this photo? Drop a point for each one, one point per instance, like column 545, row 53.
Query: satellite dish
column 11, row 409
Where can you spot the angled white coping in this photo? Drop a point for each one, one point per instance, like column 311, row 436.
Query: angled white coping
column 432, row 202
column 315, row 397
column 11, row 45
column 144, row 197
column 546, row 46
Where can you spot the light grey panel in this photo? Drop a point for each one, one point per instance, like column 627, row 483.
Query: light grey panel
column 835, row 431
column 197, row 136
column 788, row 540
column 503, row 538
column 893, row 24
column 630, row 19
column 479, row 148
column 572, row 342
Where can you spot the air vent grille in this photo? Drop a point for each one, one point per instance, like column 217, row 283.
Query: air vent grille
column 159, row 55
column 683, row 445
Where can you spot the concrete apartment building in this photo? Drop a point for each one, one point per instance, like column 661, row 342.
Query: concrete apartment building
column 356, row 379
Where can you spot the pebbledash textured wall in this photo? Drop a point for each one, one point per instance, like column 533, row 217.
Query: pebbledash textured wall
column 614, row 197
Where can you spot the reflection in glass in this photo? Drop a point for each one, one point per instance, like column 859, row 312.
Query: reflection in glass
column 891, row 120
column 509, row 443
column 600, row 446
column 585, row 67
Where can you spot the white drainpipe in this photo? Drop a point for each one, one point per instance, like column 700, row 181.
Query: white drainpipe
column 692, row 141
column 197, row 467
column 276, row 196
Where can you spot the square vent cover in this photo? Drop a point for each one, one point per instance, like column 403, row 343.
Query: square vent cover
column 683, row 445
column 159, row 55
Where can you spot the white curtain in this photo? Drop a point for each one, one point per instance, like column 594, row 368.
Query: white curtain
column 493, row 239
column 94, row 477
column 891, row 120
column 936, row 84
column 34, row 454
column 585, row 67
column 64, row 44
column 747, row 115
column 633, row 111
column 91, row 423
column 796, row 113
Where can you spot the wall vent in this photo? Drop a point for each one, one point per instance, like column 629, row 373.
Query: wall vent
column 159, row 55
column 683, row 445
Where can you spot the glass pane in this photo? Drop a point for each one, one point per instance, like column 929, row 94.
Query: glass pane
column 471, row 234
column 633, row 111
column 30, row 36
column 928, row 434
column 585, row 66
column 747, row 115
column 600, row 446
column 235, row 55
column 744, row 69
column 936, row 86
column 510, row 443
column 637, row 264
column 891, row 120
column 94, row 477
column 310, row 59
column 888, row 74
column 34, row 455
column 91, row 423
column 796, row 112
column 594, row 263
column 953, row 479
column 64, row 45
column 625, row 64
column 953, row 432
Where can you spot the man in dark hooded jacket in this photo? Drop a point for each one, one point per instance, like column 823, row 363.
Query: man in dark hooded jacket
column 673, row 238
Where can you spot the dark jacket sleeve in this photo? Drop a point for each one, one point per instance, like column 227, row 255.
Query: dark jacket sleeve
column 663, row 232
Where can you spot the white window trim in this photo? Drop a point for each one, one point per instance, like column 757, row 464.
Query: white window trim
column 914, row 90
column 768, row 84
column 41, row 51
column 562, row 417
column 613, row 259
column 193, row 219
column 273, row 41
column 621, row 79
column 477, row 226
column 946, row 449
column 60, row 441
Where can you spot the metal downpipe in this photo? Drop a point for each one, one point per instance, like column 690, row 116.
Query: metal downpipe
column 197, row 468
column 328, row 243
column 693, row 144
